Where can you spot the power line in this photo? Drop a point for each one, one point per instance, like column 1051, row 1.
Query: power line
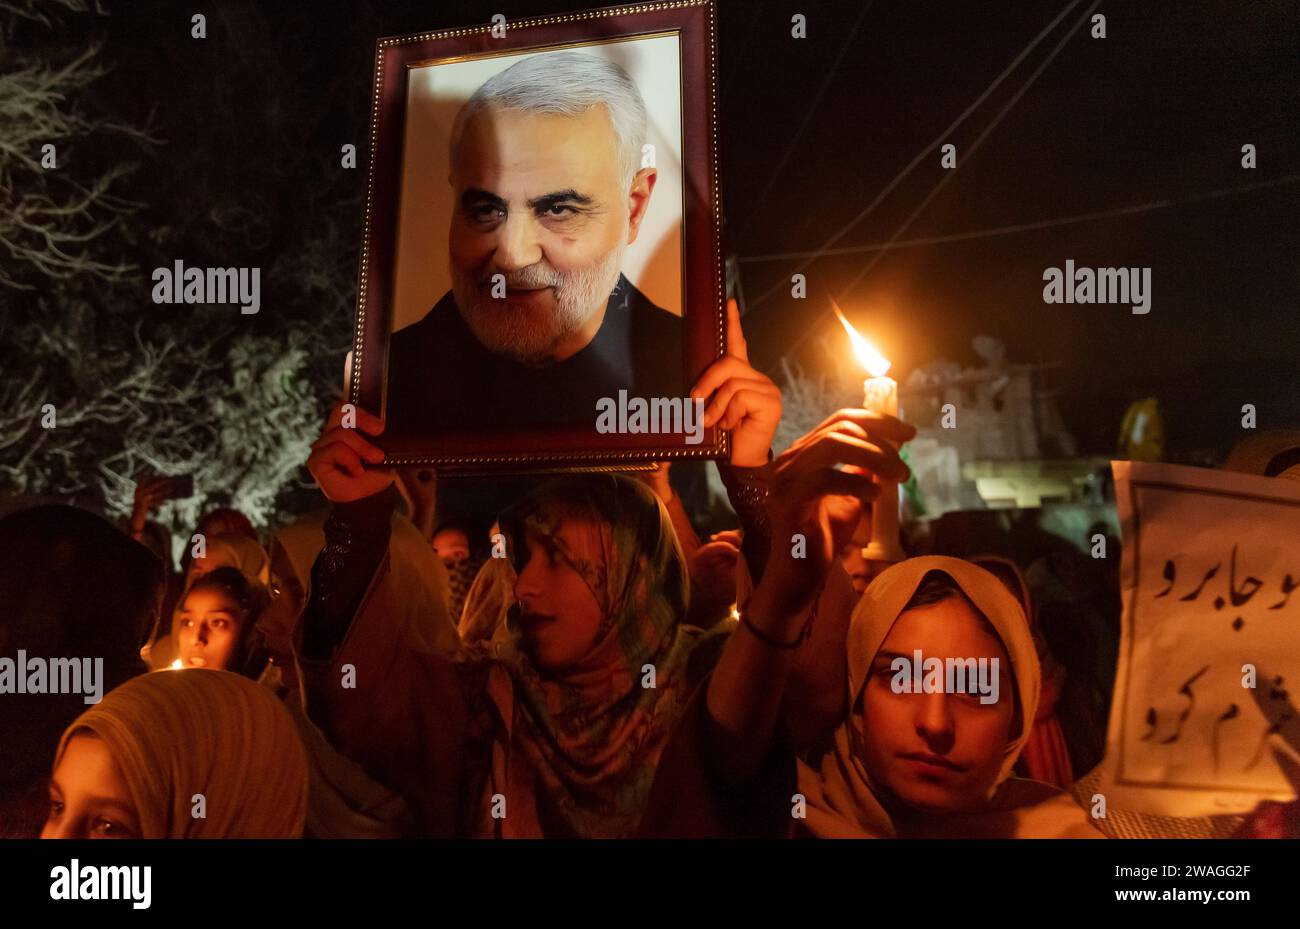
column 948, row 175
column 979, row 139
column 739, row 55
column 811, row 109
column 927, row 150
column 1030, row 226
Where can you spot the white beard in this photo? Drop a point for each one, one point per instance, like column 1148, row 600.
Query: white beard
column 518, row 333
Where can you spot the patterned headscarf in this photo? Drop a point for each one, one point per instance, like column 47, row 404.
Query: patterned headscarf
column 583, row 746
column 460, row 579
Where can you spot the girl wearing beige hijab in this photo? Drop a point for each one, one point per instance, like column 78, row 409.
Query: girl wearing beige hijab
column 221, row 551
column 936, row 764
column 915, row 752
column 192, row 754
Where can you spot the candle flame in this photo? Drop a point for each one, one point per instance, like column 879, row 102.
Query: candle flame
column 176, row 665
column 876, row 364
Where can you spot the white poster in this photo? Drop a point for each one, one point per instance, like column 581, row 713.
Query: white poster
column 1211, row 640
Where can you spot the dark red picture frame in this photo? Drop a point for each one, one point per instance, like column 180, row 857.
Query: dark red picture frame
column 545, row 448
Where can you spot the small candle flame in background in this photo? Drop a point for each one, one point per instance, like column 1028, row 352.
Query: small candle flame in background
column 176, row 665
column 876, row 364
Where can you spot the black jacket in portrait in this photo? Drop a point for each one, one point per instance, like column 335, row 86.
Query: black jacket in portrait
column 440, row 378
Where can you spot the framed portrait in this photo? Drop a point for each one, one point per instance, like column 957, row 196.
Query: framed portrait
column 541, row 278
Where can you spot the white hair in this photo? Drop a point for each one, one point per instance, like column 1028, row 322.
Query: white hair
column 529, row 336
column 566, row 84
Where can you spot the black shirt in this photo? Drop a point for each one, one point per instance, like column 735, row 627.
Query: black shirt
column 440, row 378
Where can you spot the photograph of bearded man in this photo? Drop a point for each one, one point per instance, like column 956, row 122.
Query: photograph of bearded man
column 548, row 192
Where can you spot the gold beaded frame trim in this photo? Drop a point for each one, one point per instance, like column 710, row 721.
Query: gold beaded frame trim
column 643, row 20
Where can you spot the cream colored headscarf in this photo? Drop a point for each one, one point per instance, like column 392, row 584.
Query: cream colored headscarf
column 174, row 734
column 488, row 602
column 841, row 800
column 418, row 575
column 223, row 551
column 346, row 803
column 238, row 551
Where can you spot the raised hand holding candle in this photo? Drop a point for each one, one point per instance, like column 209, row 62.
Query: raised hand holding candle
column 880, row 395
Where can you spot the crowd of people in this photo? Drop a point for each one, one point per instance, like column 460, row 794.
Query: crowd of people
column 580, row 664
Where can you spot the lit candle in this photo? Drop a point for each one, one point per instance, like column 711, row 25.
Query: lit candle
column 880, row 395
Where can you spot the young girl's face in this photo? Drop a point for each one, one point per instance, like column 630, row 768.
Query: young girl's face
column 208, row 629
column 937, row 752
column 88, row 798
column 559, row 616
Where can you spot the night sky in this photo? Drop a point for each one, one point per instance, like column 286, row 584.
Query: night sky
column 1157, row 110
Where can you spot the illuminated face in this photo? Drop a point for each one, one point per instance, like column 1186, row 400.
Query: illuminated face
column 208, row 629
column 540, row 200
column 937, row 752
column 451, row 545
column 560, row 617
column 88, row 798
